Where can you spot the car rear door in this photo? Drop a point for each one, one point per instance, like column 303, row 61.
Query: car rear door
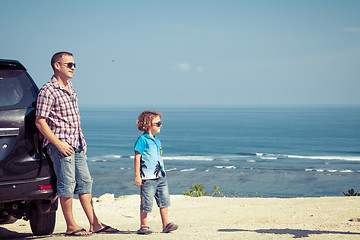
column 18, row 94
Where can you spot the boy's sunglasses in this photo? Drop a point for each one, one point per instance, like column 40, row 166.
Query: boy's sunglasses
column 69, row 64
column 159, row 124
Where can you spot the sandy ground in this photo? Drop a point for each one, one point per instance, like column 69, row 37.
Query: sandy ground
column 217, row 218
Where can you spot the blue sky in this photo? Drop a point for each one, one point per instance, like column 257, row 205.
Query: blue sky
column 150, row 53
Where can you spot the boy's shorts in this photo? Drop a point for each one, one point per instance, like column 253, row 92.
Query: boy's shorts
column 72, row 172
column 157, row 188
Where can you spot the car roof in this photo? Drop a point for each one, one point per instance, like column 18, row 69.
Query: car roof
column 11, row 64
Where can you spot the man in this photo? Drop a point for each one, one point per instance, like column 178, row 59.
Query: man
column 58, row 119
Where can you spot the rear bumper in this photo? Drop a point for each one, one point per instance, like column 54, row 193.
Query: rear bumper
column 27, row 190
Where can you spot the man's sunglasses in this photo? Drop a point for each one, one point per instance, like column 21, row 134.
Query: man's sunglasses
column 69, row 64
column 159, row 124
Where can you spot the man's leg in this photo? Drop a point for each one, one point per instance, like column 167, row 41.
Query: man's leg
column 66, row 206
column 83, row 189
column 64, row 168
column 87, row 205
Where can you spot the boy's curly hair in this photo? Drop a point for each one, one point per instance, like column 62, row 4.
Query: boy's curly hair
column 145, row 119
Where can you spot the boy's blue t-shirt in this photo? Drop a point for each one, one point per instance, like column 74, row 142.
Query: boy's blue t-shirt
column 151, row 164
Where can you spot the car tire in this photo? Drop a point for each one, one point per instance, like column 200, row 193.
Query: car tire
column 42, row 223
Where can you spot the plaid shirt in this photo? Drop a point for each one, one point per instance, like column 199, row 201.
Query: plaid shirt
column 60, row 108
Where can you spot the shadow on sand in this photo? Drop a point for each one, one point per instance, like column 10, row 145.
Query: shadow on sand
column 6, row 234
column 298, row 233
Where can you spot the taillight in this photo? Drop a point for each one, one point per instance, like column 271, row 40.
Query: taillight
column 44, row 187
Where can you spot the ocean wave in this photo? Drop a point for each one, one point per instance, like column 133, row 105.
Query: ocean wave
column 104, row 158
column 269, row 158
column 234, row 157
column 227, row 167
column 188, row 170
column 272, row 156
column 97, row 160
column 228, row 157
column 346, row 171
column 171, row 169
column 327, row 157
column 246, row 154
column 329, row 170
column 191, row 158
column 111, row 156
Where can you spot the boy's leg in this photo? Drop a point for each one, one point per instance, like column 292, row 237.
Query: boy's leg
column 144, row 228
column 167, row 227
column 143, row 219
column 164, row 217
column 162, row 197
column 147, row 192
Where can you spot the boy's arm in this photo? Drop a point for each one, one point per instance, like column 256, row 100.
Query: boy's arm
column 163, row 162
column 44, row 128
column 138, row 180
column 161, row 153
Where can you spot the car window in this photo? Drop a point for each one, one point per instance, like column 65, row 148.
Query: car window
column 16, row 89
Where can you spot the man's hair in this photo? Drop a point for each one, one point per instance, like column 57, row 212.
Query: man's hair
column 57, row 56
column 144, row 121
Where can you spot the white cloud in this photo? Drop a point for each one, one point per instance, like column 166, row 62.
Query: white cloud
column 352, row 29
column 185, row 67
column 199, row 69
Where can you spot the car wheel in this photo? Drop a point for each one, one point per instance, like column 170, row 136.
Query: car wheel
column 42, row 223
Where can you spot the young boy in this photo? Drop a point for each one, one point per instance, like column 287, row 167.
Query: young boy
column 150, row 174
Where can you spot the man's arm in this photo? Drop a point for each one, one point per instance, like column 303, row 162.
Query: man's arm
column 44, row 128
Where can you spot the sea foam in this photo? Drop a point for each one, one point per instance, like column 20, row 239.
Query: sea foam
column 191, row 158
column 327, row 157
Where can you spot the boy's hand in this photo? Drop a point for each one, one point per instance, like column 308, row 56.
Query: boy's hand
column 137, row 181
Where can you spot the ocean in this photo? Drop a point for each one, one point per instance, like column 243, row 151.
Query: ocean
column 247, row 151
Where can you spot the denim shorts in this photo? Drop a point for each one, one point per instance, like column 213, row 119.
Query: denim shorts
column 72, row 172
column 157, row 188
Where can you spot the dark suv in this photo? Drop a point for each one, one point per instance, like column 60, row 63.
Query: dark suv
column 27, row 179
